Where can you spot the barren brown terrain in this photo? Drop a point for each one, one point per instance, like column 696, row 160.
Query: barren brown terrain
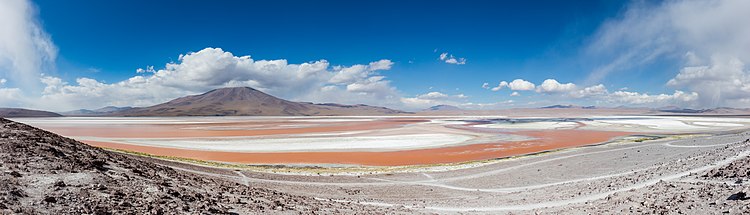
column 43, row 173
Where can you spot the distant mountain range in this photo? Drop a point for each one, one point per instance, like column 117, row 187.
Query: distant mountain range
column 718, row 111
column 568, row 106
column 246, row 101
column 19, row 112
column 97, row 112
column 443, row 108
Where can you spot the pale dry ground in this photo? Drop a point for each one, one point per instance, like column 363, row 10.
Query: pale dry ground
column 636, row 177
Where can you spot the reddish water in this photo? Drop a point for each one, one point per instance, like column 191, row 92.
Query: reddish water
column 548, row 140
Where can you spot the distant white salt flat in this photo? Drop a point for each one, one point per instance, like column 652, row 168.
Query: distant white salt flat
column 719, row 124
column 531, row 125
column 327, row 134
column 448, row 122
column 335, row 143
column 639, row 123
column 334, row 120
column 633, row 123
column 656, row 123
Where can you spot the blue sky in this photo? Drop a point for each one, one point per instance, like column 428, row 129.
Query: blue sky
column 501, row 40
column 107, row 41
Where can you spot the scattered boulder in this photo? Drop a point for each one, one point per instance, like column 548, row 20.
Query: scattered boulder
column 739, row 196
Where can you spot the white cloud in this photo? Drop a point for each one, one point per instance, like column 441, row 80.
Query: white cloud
column 724, row 82
column 11, row 97
column 686, row 32
column 212, row 68
column 500, row 86
column 149, row 69
column 520, row 84
column 433, row 95
column 517, row 84
column 26, row 50
column 358, row 72
column 450, row 59
column 678, row 97
column 592, row 91
column 551, row 86
column 486, row 85
column 431, row 99
column 599, row 94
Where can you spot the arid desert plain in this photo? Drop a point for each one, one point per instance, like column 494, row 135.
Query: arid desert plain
column 451, row 164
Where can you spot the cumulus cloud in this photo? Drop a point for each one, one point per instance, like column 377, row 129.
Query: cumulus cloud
column 724, row 82
column 687, row 33
column 359, row 72
column 433, row 95
column 486, row 85
column 592, row 91
column 552, row 86
column 678, row 97
column 149, row 69
column 11, row 97
column 500, row 86
column 517, row 84
column 431, row 99
column 520, row 84
column 212, row 68
column 26, row 50
column 450, row 59
column 601, row 95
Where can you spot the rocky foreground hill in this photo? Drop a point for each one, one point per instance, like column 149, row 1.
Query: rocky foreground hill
column 44, row 173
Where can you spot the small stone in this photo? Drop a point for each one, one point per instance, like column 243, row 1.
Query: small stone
column 15, row 174
column 738, row 196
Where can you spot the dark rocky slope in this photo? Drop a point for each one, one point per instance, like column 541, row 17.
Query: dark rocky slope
column 44, row 173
